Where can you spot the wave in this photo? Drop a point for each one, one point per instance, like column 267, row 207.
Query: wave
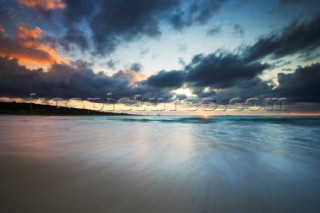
column 222, row 119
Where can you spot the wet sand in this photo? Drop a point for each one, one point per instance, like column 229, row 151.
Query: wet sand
column 74, row 165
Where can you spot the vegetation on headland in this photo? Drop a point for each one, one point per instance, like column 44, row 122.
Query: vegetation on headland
column 14, row 108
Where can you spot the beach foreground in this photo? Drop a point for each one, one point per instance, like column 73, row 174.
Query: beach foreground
column 159, row 164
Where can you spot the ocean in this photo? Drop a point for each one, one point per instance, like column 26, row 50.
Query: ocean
column 159, row 164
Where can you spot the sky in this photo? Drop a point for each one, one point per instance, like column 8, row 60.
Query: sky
column 164, row 49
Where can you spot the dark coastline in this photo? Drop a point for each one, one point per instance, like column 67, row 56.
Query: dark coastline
column 13, row 108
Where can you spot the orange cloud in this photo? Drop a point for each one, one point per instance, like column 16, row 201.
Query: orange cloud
column 24, row 33
column 2, row 30
column 29, row 49
column 44, row 4
column 28, row 37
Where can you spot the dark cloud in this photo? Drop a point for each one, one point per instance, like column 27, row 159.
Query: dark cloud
column 112, row 22
column 296, row 38
column 198, row 12
column 293, row 4
column 230, row 74
column 221, row 70
column 108, row 23
column 126, row 20
column 213, row 72
column 73, row 81
column 227, row 72
column 244, row 89
column 15, row 79
column 79, row 10
column 301, row 85
column 167, row 79
column 74, row 37
column 64, row 81
column 136, row 67
column 197, row 58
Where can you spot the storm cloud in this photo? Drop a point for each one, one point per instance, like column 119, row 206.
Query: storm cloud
column 197, row 12
column 221, row 70
column 76, row 80
column 301, row 85
column 167, row 79
column 75, row 37
column 127, row 20
column 216, row 71
column 64, row 81
column 295, row 38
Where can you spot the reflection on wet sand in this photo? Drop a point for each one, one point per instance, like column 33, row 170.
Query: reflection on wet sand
column 76, row 164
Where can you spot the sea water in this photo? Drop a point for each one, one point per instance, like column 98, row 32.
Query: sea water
column 159, row 164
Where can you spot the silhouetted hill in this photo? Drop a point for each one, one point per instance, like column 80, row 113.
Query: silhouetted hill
column 14, row 108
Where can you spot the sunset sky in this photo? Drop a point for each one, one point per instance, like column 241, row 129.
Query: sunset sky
column 161, row 48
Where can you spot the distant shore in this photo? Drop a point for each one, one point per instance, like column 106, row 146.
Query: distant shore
column 14, row 108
